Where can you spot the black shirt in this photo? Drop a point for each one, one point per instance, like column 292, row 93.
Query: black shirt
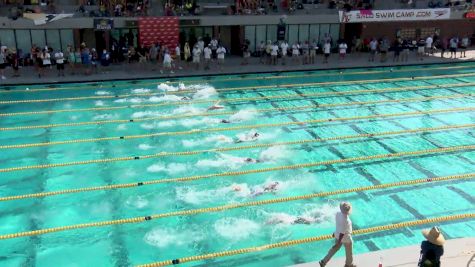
column 431, row 252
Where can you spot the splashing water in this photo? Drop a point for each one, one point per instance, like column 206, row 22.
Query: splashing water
column 236, row 228
column 195, row 122
column 122, row 127
column 205, row 93
column 216, row 139
column 99, row 103
column 223, row 160
column 188, row 110
column 103, row 93
column 163, row 237
column 164, row 98
column 141, row 91
column 167, row 88
column 142, row 114
column 138, row 202
column 275, row 153
column 243, row 115
column 170, row 169
column 145, row 147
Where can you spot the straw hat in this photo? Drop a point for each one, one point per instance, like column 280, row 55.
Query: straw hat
column 434, row 236
column 345, row 207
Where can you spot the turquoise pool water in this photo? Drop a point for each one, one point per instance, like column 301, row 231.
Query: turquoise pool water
column 182, row 236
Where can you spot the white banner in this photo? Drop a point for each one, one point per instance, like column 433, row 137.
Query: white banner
column 356, row 16
column 41, row 18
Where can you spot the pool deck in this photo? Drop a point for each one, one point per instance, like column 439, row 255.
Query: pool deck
column 458, row 253
column 232, row 66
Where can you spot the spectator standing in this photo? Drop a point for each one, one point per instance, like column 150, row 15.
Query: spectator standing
column 429, row 45
column 397, row 50
column 463, row 46
column 268, row 52
column 15, row 62
column 59, row 57
column 3, row 62
column 284, row 46
column 94, row 59
column 274, row 53
column 245, row 52
column 326, row 51
column 105, row 58
column 342, row 236
column 262, row 49
column 306, row 52
column 46, row 61
column 153, row 53
column 186, row 53
column 86, row 59
column 70, row 57
column 432, row 248
column 313, row 51
column 214, row 47
column 167, row 61
column 454, row 42
column 383, row 49
column 373, row 49
column 295, row 53
column 207, row 55
column 342, row 47
column 177, row 54
column 201, row 44
column 196, row 56
column 221, row 51
column 444, row 46
column 421, row 48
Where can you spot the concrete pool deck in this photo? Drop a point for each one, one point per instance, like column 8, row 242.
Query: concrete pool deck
column 232, row 65
column 457, row 253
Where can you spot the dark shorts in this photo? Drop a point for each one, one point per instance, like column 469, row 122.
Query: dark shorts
column 45, row 66
column 2, row 66
column 327, row 54
column 60, row 66
column 453, row 49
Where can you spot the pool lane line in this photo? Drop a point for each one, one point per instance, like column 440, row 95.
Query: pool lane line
column 265, row 78
column 296, row 97
column 241, row 127
column 232, row 206
column 208, row 114
column 215, row 150
column 279, row 87
column 376, row 229
column 237, row 173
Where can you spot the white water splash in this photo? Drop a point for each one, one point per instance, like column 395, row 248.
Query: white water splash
column 105, row 117
column 163, row 237
column 216, row 139
column 205, row 93
column 172, row 98
column 141, row 91
column 145, row 147
column 122, row 127
column 223, row 160
column 138, row 202
column 103, row 93
column 99, row 103
column 236, row 228
column 275, row 153
column 170, row 169
column 243, row 115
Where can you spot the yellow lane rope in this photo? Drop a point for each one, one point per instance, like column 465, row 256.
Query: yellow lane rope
column 208, row 114
column 238, row 173
column 287, row 97
column 232, row 89
column 309, row 240
column 239, row 79
column 234, row 128
column 236, row 205
column 189, row 153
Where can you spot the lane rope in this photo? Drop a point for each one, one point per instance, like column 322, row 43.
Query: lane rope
column 309, row 240
column 208, row 114
column 290, row 97
column 257, row 78
column 353, row 82
column 215, row 150
column 234, row 128
column 235, row 206
column 239, row 173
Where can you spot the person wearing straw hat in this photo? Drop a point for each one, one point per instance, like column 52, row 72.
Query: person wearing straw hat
column 342, row 236
column 432, row 248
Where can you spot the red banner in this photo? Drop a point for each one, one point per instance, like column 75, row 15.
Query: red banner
column 163, row 30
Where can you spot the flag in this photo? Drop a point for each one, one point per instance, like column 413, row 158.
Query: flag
column 42, row 18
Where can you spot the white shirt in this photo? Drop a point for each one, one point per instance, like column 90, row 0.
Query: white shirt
column 275, row 50
column 465, row 42
column 46, row 59
column 59, row 57
column 429, row 42
column 221, row 52
column 326, row 48
column 295, row 50
column 373, row 45
column 177, row 51
column 201, row 45
column 343, row 226
column 284, row 46
column 343, row 48
column 207, row 53
column 196, row 52
column 167, row 58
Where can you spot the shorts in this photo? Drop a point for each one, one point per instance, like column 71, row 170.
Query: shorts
column 3, row 66
column 196, row 59
column 45, row 65
column 60, row 66
column 327, row 54
column 313, row 53
column 420, row 49
column 453, row 49
column 167, row 64
column 247, row 54
column 373, row 52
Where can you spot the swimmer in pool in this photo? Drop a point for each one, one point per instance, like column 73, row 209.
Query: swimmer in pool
column 216, row 106
column 289, row 219
column 251, row 160
column 185, row 98
column 225, row 121
column 249, row 137
column 270, row 188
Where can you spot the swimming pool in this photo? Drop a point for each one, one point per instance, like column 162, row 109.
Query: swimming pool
column 162, row 151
